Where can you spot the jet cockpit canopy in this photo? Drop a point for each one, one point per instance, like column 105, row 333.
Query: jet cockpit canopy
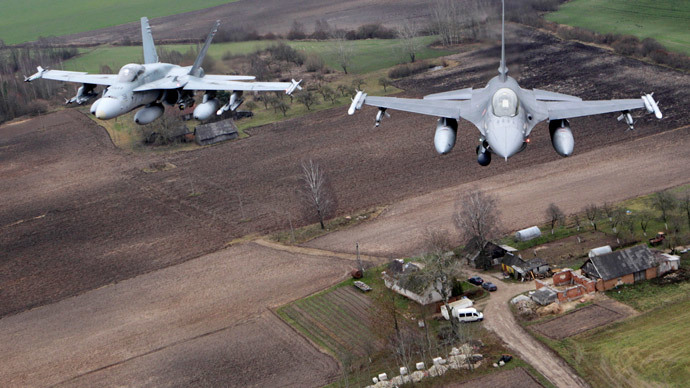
column 130, row 72
column 505, row 103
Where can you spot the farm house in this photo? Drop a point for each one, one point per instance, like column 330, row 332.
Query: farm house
column 485, row 258
column 627, row 266
column 397, row 278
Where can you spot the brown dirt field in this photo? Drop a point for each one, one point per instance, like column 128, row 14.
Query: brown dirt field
column 514, row 378
column 204, row 322
column 266, row 16
column 102, row 219
column 579, row 321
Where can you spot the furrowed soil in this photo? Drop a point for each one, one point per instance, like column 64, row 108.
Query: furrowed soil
column 514, row 378
column 274, row 16
column 78, row 214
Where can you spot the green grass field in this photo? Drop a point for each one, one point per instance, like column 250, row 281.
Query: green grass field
column 648, row 350
column 667, row 21
column 26, row 20
column 367, row 55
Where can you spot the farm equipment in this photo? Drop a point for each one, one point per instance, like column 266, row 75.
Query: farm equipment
column 658, row 239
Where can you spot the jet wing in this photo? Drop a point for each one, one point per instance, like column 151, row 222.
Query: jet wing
column 568, row 109
column 74, row 76
column 438, row 108
column 217, row 77
column 163, row 83
column 545, row 95
column 460, row 94
column 196, row 83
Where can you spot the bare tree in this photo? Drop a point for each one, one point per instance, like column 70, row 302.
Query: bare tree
column 316, row 191
column 644, row 218
column 455, row 21
column 684, row 205
column 307, row 98
column 342, row 50
column 592, row 214
column 476, row 216
column 555, row 215
column 665, row 202
column 408, row 33
column 385, row 82
column 441, row 268
column 576, row 220
column 608, row 210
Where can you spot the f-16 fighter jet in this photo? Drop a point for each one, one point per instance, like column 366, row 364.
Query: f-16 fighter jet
column 154, row 83
column 504, row 113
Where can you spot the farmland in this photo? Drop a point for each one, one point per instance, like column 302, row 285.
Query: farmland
column 664, row 20
column 367, row 55
column 645, row 350
column 27, row 20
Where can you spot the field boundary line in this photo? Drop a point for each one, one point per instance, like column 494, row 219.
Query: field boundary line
column 319, row 252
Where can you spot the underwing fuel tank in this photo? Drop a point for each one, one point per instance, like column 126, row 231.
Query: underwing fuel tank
column 205, row 110
column 444, row 139
column 561, row 137
column 148, row 114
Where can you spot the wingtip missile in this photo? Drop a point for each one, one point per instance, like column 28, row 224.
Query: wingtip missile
column 35, row 76
column 293, row 86
column 357, row 102
column 651, row 105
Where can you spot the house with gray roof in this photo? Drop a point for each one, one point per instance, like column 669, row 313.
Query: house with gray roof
column 626, row 266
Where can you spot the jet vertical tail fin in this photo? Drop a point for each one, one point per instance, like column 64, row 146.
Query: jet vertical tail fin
column 150, row 55
column 502, row 69
column 200, row 58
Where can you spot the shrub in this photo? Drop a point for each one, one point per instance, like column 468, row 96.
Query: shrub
column 314, row 62
column 408, row 69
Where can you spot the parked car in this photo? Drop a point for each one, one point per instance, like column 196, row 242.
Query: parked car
column 489, row 286
column 476, row 280
column 468, row 315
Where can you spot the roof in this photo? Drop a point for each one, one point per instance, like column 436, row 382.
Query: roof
column 513, row 260
column 620, row 263
column 544, row 296
column 215, row 132
column 535, row 263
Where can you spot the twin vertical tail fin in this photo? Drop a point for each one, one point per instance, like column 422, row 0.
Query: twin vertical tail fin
column 502, row 69
column 200, row 58
column 150, row 55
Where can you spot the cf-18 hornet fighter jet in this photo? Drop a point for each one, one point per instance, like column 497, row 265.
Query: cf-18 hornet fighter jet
column 504, row 113
column 154, row 83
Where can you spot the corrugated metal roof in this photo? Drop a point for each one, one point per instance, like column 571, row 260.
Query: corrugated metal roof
column 620, row 263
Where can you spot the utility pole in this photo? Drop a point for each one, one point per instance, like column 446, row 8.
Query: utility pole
column 359, row 261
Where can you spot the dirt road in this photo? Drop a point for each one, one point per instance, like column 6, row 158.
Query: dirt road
column 500, row 320
column 611, row 174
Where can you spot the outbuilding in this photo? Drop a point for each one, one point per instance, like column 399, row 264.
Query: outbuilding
column 626, row 266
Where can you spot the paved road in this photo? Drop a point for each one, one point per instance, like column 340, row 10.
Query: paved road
column 500, row 320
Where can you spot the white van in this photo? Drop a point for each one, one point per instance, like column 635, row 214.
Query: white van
column 468, row 315
column 461, row 303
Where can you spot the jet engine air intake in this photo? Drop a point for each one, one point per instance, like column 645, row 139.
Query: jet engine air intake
column 444, row 139
column 561, row 137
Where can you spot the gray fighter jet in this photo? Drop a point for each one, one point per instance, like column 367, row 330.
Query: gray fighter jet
column 504, row 113
column 155, row 83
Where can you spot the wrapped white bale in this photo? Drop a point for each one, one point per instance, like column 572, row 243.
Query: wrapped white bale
column 528, row 234
column 419, row 366
column 383, row 377
column 403, row 370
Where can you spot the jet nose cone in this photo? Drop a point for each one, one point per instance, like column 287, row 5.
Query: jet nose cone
column 505, row 141
column 108, row 108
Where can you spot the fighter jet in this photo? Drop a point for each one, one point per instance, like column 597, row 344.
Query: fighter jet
column 505, row 113
column 154, row 83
